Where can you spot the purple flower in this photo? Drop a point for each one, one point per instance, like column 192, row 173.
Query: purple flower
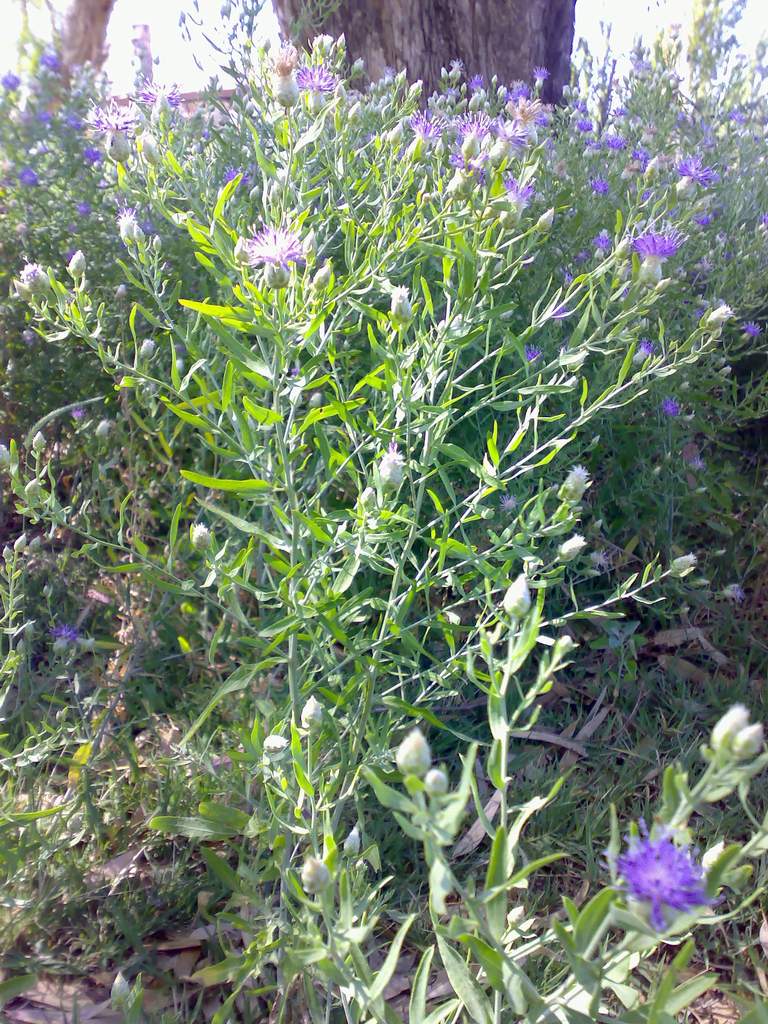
column 84, row 209
column 50, row 60
column 703, row 219
column 74, row 122
column 602, row 241
column 10, row 82
column 692, row 167
column 66, row 633
column 532, row 353
column 670, row 407
column 508, row 503
column 540, row 74
column 153, row 93
column 471, row 166
column 619, row 112
column 663, row 875
column 751, row 329
column 477, row 124
column 316, row 79
column 426, row 126
column 641, row 156
column 78, row 413
column 519, row 195
column 738, row 117
column 511, row 132
column 615, row 142
column 560, row 312
column 646, row 346
column 657, row 245
column 476, row 82
column 232, row 172
column 599, row 186
column 276, row 246
column 584, row 125
column 567, row 276
column 28, row 177
column 44, row 116
column 92, row 155
column 111, row 119
column 519, row 91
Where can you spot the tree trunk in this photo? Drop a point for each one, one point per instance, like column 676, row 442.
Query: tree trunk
column 507, row 38
column 84, row 33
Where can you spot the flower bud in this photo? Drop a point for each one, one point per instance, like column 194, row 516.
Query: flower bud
column 120, row 993
column 20, row 544
column 683, row 565
column 118, row 147
column 322, row 278
column 712, row 854
column 732, row 722
column 149, row 148
column 312, row 714
column 400, row 308
column 545, row 221
column 575, row 484
column 76, row 266
column 241, row 251
column 315, row 876
column 392, row 468
column 572, row 547
column 200, row 537
column 33, row 490
column 517, row 600
column 275, row 745
column 130, row 232
column 717, row 317
column 352, row 843
column 436, row 782
column 7, row 553
column 5, row 457
column 33, row 281
column 276, row 275
column 286, row 90
column 148, row 349
column 103, row 429
column 38, row 441
column 413, row 755
column 748, row 741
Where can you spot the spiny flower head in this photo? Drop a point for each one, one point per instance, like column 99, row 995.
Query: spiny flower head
column 692, row 167
column 602, row 240
column 584, row 125
column 532, row 353
column 286, row 61
column 615, row 142
column 428, row 126
column 751, row 329
column 527, row 112
column 518, row 194
column 154, row 93
column 646, row 346
column 111, row 119
column 477, row 124
column 10, row 82
column 277, row 246
column 50, row 60
column 519, row 91
column 541, row 74
column 232, row 172
column 316, row 79
column 658, row 245
column 65, row 633
column 599, row 186
column 476, row 82
column 662, row 875
column 28, row 177
column 510, row 132
column 508, row 503
column 670, row 407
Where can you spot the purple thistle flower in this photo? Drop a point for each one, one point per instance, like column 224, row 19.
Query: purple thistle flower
column 619, row 112
column 532, row 353
column 519, row 91
column 456, row 67
column 567, row 276
column 111, row 119
column 646, row 346
column 738, row 117
column 703, row 219
column 84, row 209
column 232, row 172
column 751, row 329
column 764, row 220
column 696, row 462
column 519, row 195
column 641, row 156
column 49, row 59
column 426, row 126
column 582, row 256
column 315, row 79
column 692, row 167
column 508, row 503
column 599, row 186
column 663, row 875
column 511, row 132
column 670, row 407
column 478, row 124
column 74, row 122
column 78, row 413
column 541, row 74
column 476, row 82
column 66, row 633
column 657, row 245
column 152, row 92
column 602, row 240
column 10, row 82
column 585, row 125
column 44, row 116
column 276, row 246
column 28, row 177
column 615, row 142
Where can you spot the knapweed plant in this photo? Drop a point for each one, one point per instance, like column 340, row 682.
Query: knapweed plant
column 381, row 414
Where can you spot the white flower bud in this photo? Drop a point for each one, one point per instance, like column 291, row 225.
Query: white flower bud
column 352, row 843
column 38, row 441
column 286, row 90
column 149, row 148
column 103, row 429
column 322, row 278
column 5, row 457
column 575, row 484
column 545, row 221
column 717, row 317
column 731, row 723
column 683, row 565
column 130, row 232
column 413, row 755
column 392, row 468
column 400, row 307
column 148, row 348
column 7, row 553
column 20, row 543
column 312, row 714
column 76, row 266
column 241, row 251
column 572, row 547
column 436, row 782
column 33, row 490
column 650, row 270
column 748, row 741
column 118, row 147
column 200, row 537
column 712, row 854
column 276, row 275
column 120, row 993
column 315, row 876
column 517, row 600
column 358, row 67
column 275, row 745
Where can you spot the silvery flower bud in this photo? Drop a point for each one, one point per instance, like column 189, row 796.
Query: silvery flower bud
column 436, row 782
column 358, row 67
column 149, row 148
column 312, row 714
column 572, row 547
column 120, row 993
column 121, row 292
column 315, row 876
column 732, row 722
column 470, row 148
column 392, row 468
column 685, row 186
column 20, row 544
column 517, row 600
column 413, row 755
column 38, row 441
column 103, row 429
column 200, row 537
column 76, row 266
column 352, row 843
column 275, row 745
column 748, row 741
column 400, row 307
column 712, row 854
column 241, row 251
column 5, row 457
column 128, row 226
column 36, row 543
column 7, row 553
column 322, row 278
column 717, row 317
column 575, row 484
column 118, row 147
column 545, row 221
column 286, row 90
column 682, row 566
column 148, row 349
column 276, row 275
column 33, row 490
column 315, row 400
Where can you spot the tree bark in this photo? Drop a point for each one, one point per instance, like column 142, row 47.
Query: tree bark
column 507, row 38
column 84, row 33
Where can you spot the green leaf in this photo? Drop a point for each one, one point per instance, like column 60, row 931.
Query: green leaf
column 194, row 828
column 239, row 680
column 233, row 486
column 464, row 985
column 386, row 795
column 417, row 1005
column 260, row 413
column 13, row 987
column 219, row 867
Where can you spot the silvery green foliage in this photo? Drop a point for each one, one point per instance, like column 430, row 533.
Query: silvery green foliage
column 376, row 394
